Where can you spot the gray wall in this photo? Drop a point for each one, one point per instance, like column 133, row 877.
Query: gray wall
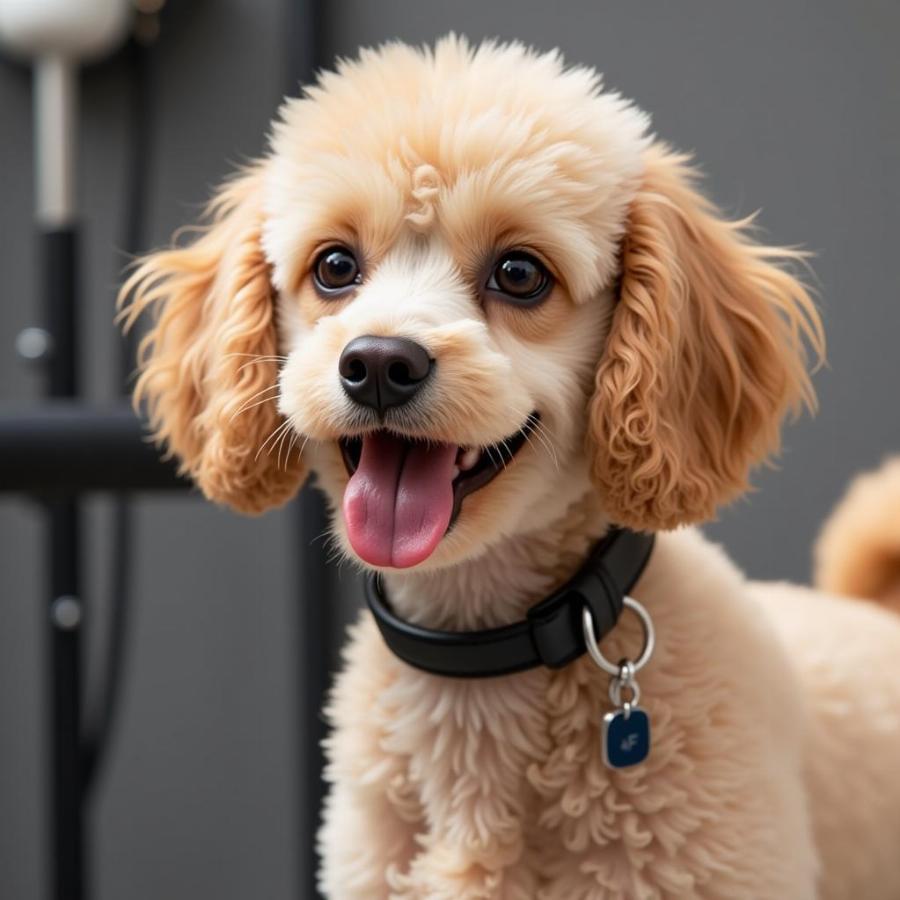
column 792, row 107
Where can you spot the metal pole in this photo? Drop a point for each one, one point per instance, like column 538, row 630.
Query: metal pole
column 55, row 113
column 55, row 109
column 316, row 626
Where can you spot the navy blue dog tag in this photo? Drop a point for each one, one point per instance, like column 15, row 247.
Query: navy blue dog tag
column 626, row 737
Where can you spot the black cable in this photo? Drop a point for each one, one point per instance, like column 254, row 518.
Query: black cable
column 98, row 733
column 99, row 730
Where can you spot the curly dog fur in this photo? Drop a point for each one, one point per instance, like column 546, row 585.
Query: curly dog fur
column 662, row 363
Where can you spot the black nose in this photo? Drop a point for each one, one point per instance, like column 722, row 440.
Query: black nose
column 381, row 372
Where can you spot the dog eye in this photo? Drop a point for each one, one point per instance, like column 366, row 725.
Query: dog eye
column 336, row 269
column 520, row 277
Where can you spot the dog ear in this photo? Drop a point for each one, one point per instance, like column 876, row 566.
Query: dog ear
column 706, row 352
column 208, row 372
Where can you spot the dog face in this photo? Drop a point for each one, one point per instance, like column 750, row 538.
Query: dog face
column 465, row 287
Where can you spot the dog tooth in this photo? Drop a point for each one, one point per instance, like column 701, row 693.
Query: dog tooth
column 469, row 458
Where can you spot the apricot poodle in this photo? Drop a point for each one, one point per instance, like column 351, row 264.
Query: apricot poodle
column 470, row 290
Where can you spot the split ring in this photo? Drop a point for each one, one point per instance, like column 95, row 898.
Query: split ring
column 615, row 693
column 590, row 639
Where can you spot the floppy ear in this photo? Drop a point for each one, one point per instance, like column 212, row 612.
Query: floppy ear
column 705, row 355
column 208, row 371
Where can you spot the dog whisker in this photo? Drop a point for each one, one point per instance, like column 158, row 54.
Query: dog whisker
column 537, row 448
column 501, row 446
column 250, row 404
column 542, row 434
column 490, row 453
column 261, row 359
column 295, row 436
column 262, row 390
column 281, row 443
column 257, row 357
column 274, row 435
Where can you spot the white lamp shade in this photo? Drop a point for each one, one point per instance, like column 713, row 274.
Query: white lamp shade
column 73, row 29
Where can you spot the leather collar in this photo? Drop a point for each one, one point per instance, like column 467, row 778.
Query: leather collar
column 550, row 634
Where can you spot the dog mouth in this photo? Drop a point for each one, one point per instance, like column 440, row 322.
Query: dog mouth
column 404, row 493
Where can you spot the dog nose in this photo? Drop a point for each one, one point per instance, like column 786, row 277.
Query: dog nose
column 380, row 372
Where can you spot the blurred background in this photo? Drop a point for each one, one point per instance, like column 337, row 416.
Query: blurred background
column 790, row 107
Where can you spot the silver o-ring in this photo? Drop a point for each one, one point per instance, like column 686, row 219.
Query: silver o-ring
column 590, row 639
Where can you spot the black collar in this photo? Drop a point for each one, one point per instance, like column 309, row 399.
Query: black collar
column 551, row 633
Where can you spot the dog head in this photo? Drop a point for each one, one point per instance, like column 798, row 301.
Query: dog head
column 466, row 287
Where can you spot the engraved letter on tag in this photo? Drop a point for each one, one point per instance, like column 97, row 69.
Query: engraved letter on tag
column 626, row 738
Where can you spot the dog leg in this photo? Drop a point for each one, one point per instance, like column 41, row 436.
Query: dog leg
column 365, row 845
column 372, row 812
column 447, row 870
column 470, row 746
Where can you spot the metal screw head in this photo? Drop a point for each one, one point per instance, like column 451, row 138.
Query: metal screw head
column 65, row 612
column 34, row 344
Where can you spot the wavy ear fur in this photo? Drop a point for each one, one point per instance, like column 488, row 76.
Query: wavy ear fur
column 208, row 372
column 705, row 355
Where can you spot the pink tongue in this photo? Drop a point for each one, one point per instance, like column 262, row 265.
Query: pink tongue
column 399, row 501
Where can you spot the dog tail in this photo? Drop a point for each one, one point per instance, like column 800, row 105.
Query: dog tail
column 858, row 550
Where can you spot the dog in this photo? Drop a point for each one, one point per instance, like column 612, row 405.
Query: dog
column 470, row 290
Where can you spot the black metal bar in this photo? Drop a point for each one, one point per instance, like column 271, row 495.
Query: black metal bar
column 59, row 274
column 64, row 613
column 141, row 111
column 304, row 54
column 316, row 626
column 64, row 448
column 65, row 619
column 101, row 716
